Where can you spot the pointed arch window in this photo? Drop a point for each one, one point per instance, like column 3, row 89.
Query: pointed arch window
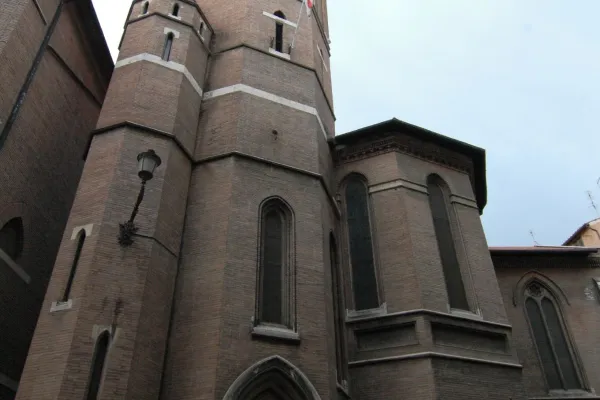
column 275, row 275
column 278, row 45
column 551, row 340
column 81, row 236
column 98, row 363
column 338, row 312
column 362, row 260
column 11, row 238
column 175, row 11
column 440, row 212
column 168, row 46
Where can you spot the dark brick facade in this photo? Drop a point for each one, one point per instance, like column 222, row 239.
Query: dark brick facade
column 54, row 71
column 236, row 123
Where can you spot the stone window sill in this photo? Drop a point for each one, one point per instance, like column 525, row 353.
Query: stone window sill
column 174, row 17
column 279, row 54
column 343, row 388
column 274, row 332
column 465, row 314
column 567, row 395
column 371, row 312
column 61, row 305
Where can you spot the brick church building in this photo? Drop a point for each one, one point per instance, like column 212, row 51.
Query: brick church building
column 186, row 225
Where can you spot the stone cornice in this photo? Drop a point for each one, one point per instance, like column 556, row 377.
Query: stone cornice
column 397, row 142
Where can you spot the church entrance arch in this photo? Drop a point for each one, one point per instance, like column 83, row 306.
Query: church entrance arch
column 272, row 378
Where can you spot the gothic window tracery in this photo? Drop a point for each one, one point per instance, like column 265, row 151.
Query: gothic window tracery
column 551, row 340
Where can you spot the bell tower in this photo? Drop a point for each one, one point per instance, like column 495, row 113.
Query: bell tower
column 218, row 284
column 253, row 310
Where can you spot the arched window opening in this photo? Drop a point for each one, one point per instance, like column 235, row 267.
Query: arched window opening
column 362, row 260
column 339, row 310
column 80, row 242
column 440, row 212
column 168, row 46
column 98, row 362
column 274, row 306
column 175, row 11
column 145, row 7
column 279, row 32
column 11, row 238
column 549, row 335
column 201, row 29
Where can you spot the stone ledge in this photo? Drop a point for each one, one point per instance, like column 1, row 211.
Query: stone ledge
column 432, row 354
column 262, row 331
column 343, row 389
column 371, row 313
column 566, row 397
column 61, row 305
column 418, row 312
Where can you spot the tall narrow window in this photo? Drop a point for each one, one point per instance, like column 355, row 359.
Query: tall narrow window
column 145, row 8
column 98, row 362
column 274, row 305
column 279, row 32
column 338, row 311
column 80, row 243
column 364, row 281
column 11, row 238
column 168, row 46
column 175, row 11
column 201, row 29
column 440, row 211
column 550, row 339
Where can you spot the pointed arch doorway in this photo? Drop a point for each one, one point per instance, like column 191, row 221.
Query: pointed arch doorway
column 272, row 378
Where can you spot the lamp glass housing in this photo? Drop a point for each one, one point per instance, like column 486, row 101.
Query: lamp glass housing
column 147, row 163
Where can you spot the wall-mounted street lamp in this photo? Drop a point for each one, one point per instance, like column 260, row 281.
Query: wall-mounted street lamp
column 148, row 161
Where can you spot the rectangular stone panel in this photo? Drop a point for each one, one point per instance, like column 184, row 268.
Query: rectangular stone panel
column 468, row 338
column 386, row 336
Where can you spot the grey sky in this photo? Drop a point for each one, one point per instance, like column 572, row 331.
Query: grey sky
column 518, row 78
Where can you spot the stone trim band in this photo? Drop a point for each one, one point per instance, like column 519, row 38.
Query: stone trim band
column 431, row 354
column 240, row 87
column 159, row 61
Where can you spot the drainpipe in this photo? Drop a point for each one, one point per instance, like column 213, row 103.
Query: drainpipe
column 14, row 113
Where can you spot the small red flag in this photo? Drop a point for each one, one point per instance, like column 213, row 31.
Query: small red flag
column 310, row 3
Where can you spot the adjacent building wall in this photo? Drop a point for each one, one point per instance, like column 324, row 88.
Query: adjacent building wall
column 571, row 280
column 55, row 69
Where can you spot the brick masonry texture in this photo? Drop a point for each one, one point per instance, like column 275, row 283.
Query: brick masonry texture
column 578, row 299
column 42, row 158
column 180, row 303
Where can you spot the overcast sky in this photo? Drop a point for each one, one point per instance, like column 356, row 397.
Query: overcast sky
column 520, row 78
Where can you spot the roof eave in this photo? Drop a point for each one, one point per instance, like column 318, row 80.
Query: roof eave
column 477, row 154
